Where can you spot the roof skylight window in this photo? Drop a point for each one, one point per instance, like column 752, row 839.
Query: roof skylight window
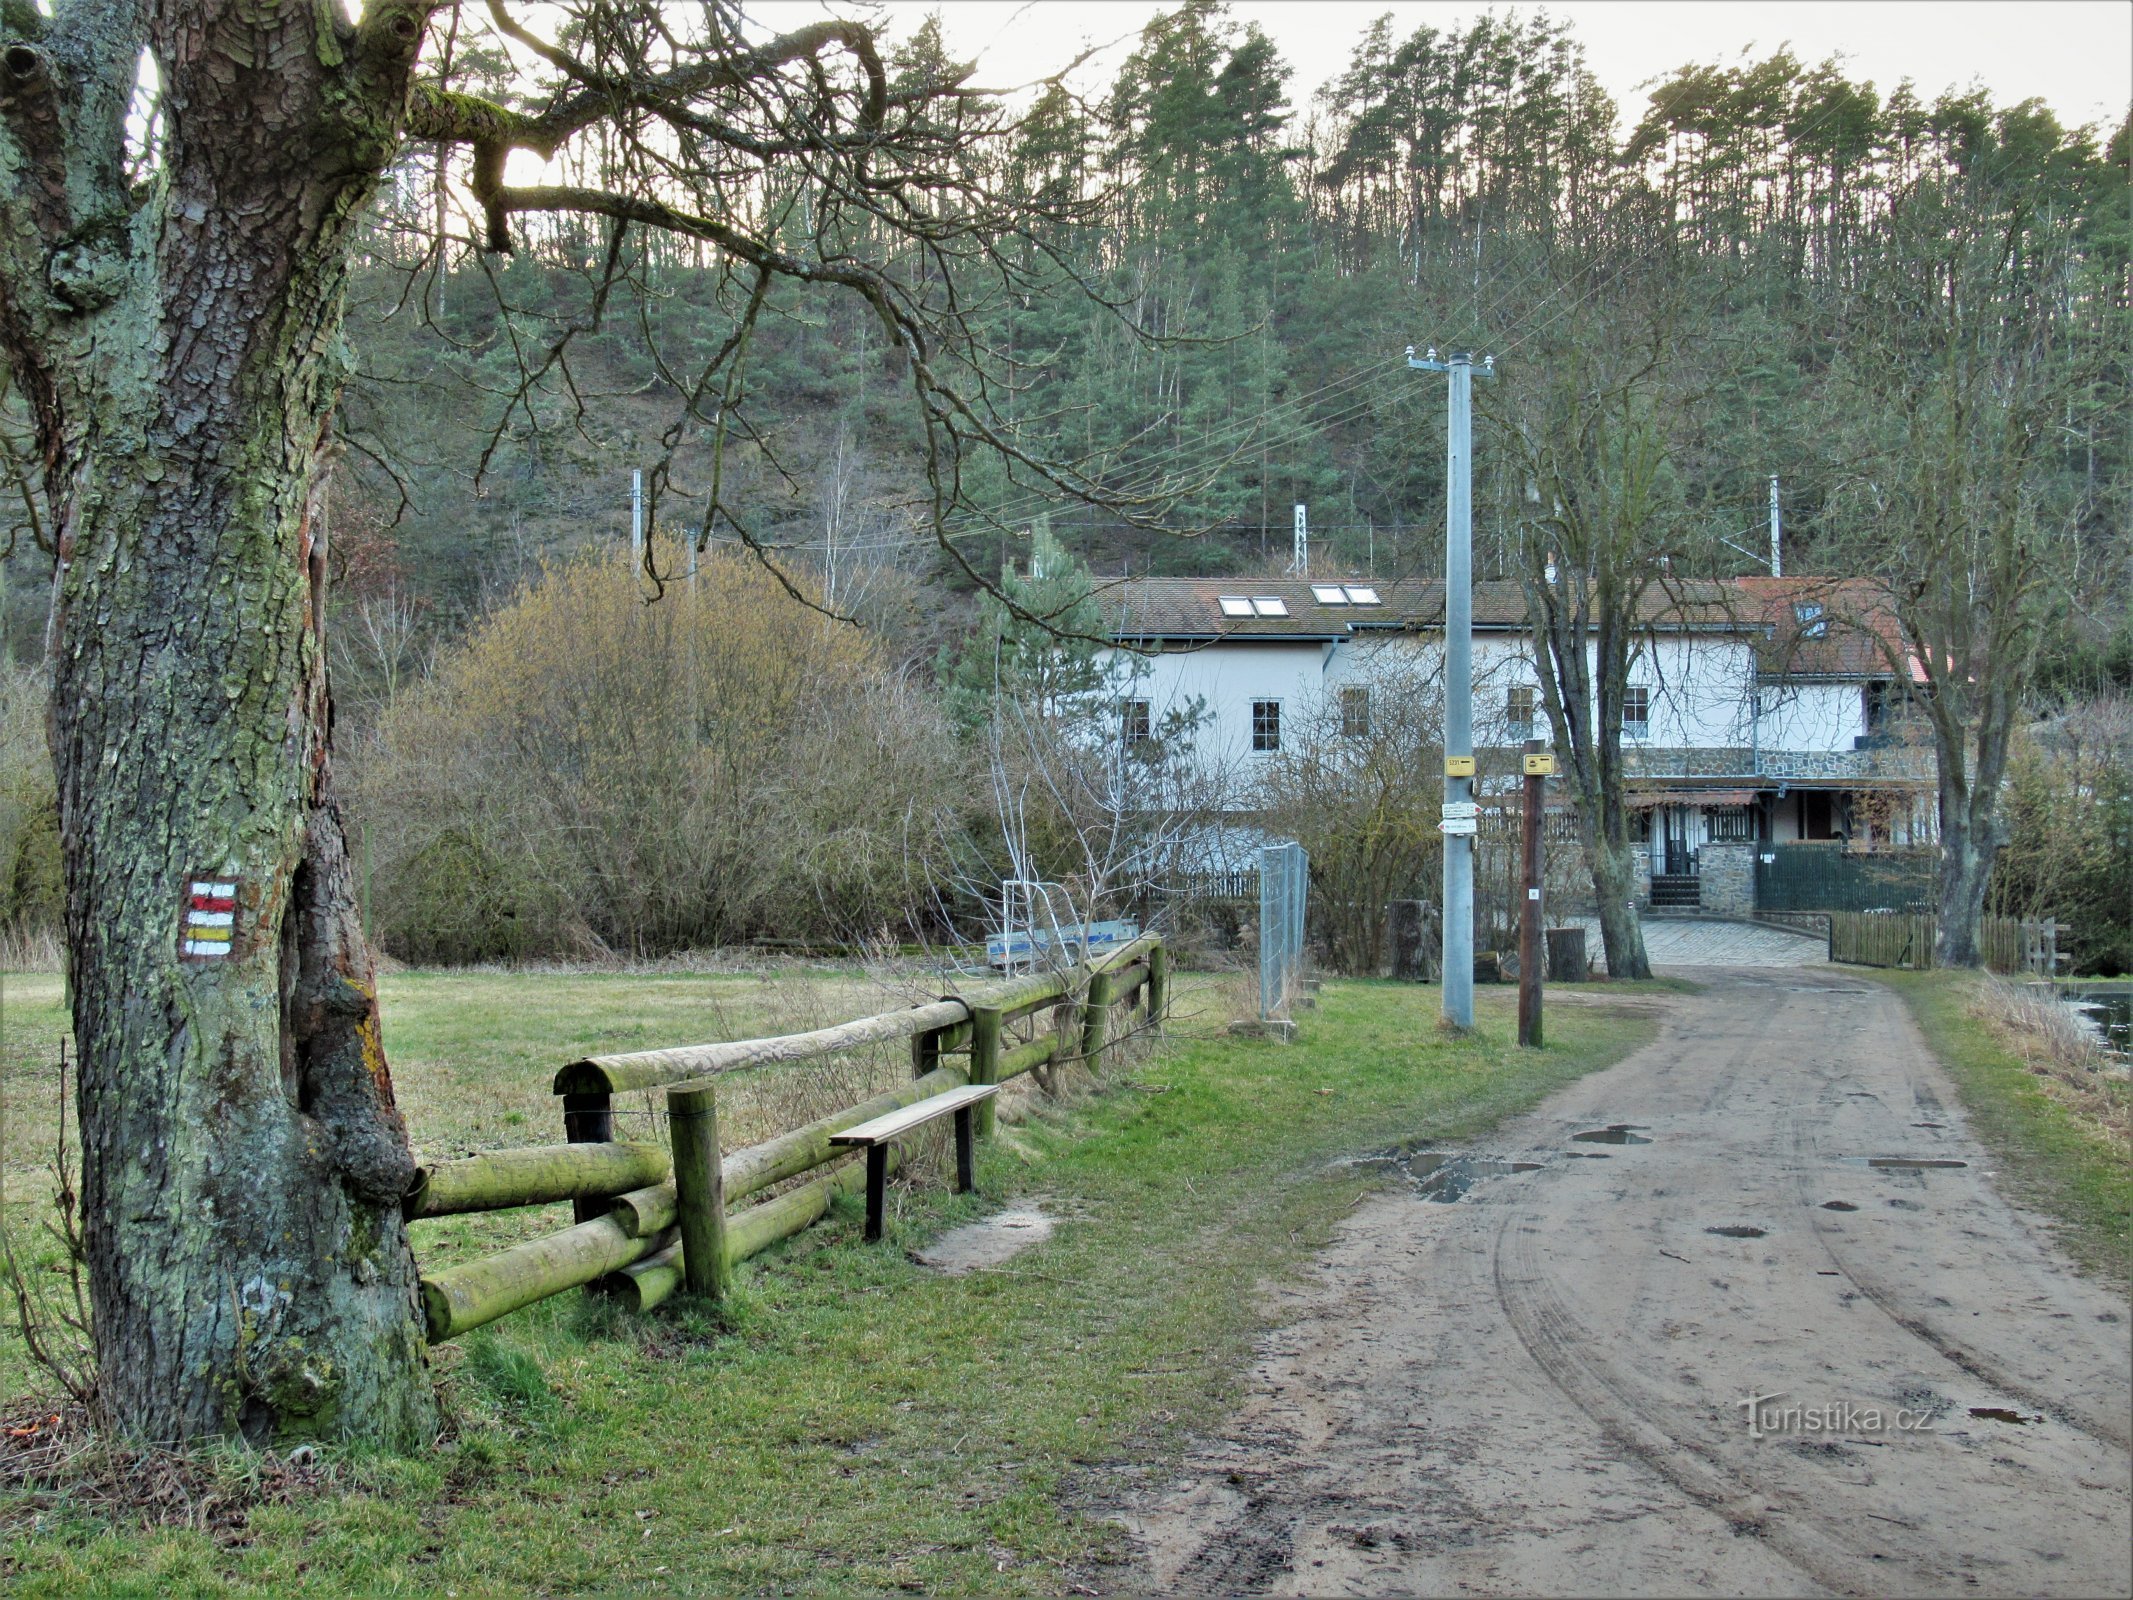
column 1268, row 605
column 1235, row 605
column 1359, row 595
column 1329, row 594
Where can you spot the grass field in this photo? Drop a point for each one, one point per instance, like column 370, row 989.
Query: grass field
column 2062, row 1144
column 849, row 1420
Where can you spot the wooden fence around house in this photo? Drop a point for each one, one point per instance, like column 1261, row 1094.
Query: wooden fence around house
column 1906, row 939
column 641, row 1209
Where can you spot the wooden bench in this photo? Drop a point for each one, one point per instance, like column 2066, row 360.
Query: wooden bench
column 876, row 1136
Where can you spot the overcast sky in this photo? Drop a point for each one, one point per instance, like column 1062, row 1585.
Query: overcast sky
column 2076, row 55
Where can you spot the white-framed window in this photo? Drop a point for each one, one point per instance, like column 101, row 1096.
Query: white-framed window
column 1269, row 605
column 1355, row 711
column 1234, row 605
column 1266, row 726
column 1636, row 711
column 1808, row 614
column 1135, row 725
column 1518, row 711
column 1362, row 595
column 1329, row 594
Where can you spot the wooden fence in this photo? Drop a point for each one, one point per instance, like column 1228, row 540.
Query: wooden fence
column 652, row 1218
column 1891, row 939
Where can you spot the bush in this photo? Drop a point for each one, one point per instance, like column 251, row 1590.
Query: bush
column 1361, row 801
column 593, row 769
column 2068, row 815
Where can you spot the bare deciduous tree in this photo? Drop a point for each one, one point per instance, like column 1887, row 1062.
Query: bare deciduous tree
column 171, row 310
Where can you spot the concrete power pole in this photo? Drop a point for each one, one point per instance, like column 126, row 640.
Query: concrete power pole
column 1460, row 811
column 637, row 516
column 1777, row 565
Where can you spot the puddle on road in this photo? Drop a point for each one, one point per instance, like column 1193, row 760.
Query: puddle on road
column 2003, row 1414
column 1613, row 1133
column 1441, row 1176
column 1447, row 1178
column 1910, row 1163
column 1737, row 1231
column 1838, row 1205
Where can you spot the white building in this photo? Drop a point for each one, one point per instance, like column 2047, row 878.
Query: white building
column 1752, row 717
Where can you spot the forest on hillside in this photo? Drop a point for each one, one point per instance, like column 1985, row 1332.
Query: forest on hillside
column 1210, row 327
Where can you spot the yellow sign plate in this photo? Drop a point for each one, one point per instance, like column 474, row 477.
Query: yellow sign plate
column 1541, row 765
column 1458, row 766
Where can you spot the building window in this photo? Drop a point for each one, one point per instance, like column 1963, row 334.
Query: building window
column 1636, row 710
column 1134, row 724
column 1266, row 725
column 1355, row 713
column 1731, row 824
column 1518, row 711
column 1808, row 614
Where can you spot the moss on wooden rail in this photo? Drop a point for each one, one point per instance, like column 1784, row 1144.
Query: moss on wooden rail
column 497, row 1179
column 948, row 1016
column 635, row 1250
column 464, row 1297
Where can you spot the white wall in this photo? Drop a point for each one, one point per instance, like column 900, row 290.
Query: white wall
column 1703, row 691
column 1812, row 716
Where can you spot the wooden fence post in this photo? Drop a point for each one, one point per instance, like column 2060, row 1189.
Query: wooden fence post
column 588, row 1119
column 1096, row 1020
column 986, row 1024
column 699, row 1187
column 1158, row 987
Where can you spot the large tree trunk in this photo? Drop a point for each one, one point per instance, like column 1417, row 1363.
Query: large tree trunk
column 243, row 1162
column 1614, row 887
column 1969, row 844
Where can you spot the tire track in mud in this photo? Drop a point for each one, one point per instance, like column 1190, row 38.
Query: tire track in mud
column 1890, row 1301
column 1558, row 1344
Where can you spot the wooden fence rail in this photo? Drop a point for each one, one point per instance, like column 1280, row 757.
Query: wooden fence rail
column 649, row 1223
column 1906, row 940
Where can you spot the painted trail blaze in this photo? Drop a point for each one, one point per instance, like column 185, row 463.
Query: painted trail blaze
column 210, row 918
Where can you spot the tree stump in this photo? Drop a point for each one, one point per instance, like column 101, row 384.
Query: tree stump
column 1566, row 955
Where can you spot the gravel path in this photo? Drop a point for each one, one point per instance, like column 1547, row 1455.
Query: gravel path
column 1538, row 1388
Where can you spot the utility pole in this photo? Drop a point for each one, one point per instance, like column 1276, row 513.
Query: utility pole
column 1300, row 550
column 1777, row 565
column 1458, row 824
column 1539, row 764
column 637, row 516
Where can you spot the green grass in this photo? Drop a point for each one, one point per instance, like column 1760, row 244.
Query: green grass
column 851, row 1421
column 2050, row 1158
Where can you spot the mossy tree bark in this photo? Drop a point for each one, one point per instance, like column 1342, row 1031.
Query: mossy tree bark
column 179, row 338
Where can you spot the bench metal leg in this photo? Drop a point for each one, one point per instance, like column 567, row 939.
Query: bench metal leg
column 965, row 1171
column 877, row 1188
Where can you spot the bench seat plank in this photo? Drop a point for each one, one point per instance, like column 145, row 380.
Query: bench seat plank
column 894, row 1124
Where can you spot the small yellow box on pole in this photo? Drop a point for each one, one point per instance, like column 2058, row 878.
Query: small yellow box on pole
column 1540, row 765
column 1458, row 766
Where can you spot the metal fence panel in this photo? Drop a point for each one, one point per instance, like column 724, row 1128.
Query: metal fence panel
column 1284, row 891
column 1820, row 877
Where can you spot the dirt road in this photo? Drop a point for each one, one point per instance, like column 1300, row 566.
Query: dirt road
column 1539, row 1388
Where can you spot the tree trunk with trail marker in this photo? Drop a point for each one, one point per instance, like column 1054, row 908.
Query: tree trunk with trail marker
column 179, row 341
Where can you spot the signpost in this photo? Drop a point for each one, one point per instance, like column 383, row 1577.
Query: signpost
column 1539, row 764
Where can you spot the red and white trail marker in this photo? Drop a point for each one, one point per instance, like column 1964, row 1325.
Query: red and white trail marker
column 210, row 926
